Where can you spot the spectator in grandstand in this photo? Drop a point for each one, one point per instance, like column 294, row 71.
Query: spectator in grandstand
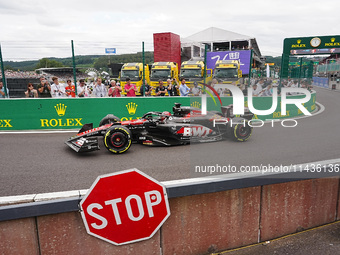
column 90, row 86
column 196, row 91
column 284, row 83
column 267, row 91
column 70, row 89
column 171, row 87
column 260, row 85
column 253, row 81
column 183, row 88
column 82, row 90
column 100, row 89
column 213, row 83
column 220, row 92
column 130, row 89
column 44, row 88
column 21, row 74
column 148, row 89
column 256, row 92
column 244, row 88
column 115, row 89
column 2, row 90
column 267, row 82
column 161, row 90
column 292, row 84
column 31, row 92
column 57, row 89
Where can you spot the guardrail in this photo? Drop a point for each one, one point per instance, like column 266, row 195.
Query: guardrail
column 72, row 113
column 207, row 214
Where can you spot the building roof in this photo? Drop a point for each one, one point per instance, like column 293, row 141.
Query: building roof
column 214, row 34
column 218, row 35
column 56, row 69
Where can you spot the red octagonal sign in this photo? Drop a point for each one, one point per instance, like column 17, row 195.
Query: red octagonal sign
column 125, row 207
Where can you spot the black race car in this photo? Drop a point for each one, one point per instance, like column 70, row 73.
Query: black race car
column 185, row 125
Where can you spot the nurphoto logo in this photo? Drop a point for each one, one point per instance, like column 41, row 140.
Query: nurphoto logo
column 238, row 100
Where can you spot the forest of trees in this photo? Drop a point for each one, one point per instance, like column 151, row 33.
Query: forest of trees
column 96, row 61
column 99, row 62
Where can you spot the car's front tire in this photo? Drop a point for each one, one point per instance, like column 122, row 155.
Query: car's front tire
column 117, row 139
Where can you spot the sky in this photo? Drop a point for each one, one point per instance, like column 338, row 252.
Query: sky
column 35, row 29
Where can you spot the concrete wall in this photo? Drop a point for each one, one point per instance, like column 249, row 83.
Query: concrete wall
column 199, row 224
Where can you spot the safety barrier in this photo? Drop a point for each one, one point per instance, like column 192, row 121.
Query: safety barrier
column 207, row 215
column 72, row 113
column 321, row 82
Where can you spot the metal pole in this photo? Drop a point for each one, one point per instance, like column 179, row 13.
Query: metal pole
column 205, row 64
column 204, row 95
column 281, row 73
column 143, row 84
column 250, row 66
column 3, row 73
column 74, row 69
column 300, row 70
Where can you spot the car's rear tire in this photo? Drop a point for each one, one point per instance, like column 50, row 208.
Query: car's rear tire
column 241, row 132
column 110, row 118
column 117, row 139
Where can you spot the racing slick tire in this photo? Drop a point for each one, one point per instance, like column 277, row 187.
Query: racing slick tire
column 241, row 132
column 117, row 139
column 110, row 118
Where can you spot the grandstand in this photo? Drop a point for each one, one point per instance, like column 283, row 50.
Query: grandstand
column 17, row 80
column 63, row 73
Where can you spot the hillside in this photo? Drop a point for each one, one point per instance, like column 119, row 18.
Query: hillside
column 96, row 61
column 99, row 61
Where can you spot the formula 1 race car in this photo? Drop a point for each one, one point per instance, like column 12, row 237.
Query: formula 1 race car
column 185, row 125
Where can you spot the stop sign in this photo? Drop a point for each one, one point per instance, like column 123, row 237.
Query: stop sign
column 124, row 207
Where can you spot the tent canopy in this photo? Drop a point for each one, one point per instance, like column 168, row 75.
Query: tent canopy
column 220, row 39
column 214, row 34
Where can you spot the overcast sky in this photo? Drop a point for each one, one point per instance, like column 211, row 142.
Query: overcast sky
column 34, row 29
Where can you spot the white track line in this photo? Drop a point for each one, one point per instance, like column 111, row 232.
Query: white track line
column 321, row 109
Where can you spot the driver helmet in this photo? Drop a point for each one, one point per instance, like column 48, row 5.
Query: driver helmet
column 166, row 113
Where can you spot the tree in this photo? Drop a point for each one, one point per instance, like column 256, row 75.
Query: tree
column 47, row 63
column 101, row 63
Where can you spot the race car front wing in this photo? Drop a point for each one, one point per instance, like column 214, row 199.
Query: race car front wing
column 83, row 144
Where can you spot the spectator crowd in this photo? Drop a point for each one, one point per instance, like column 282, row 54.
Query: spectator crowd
column 59, row 87
column 20, row 74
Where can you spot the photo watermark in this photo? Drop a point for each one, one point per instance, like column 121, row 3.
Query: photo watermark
column 238, row 100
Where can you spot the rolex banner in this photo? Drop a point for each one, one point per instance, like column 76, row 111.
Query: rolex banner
column 73, row 113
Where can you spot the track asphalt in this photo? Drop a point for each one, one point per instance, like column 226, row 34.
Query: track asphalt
column 34, row 163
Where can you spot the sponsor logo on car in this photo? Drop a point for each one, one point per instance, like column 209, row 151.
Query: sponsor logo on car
column 195, row 131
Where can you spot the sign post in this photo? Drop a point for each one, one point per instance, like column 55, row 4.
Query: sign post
column 125, row 207
column 110, row 50
column 74, row 69
column 3, row 73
